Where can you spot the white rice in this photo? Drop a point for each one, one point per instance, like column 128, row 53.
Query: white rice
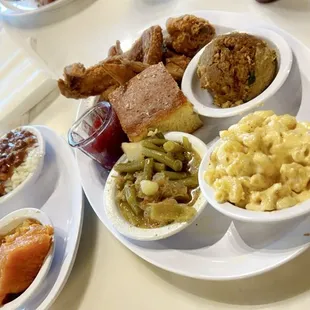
column 21, row 173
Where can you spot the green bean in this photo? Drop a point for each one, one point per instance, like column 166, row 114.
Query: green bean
column 160, row 135
column 131, row 198
column 128, row 213
column 159, row 167
column 179, row 156
column 129, row 177
column 187, row 145
column 190, row 182
column 157, row 141
column 129, row 167
column 148, row 169
column 188, row 156
column 169, row 154
column 152, row 146
column 176, row 165
column 174, row 147
column 175, row 175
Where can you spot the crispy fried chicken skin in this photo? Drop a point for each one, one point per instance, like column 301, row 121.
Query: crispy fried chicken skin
column 80, row 82
column 176, row 64
column 116, row 70
column 115, row 50
column 148, row 48
column 188, row 34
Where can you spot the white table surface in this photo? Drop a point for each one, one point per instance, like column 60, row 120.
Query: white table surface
column 106, row 275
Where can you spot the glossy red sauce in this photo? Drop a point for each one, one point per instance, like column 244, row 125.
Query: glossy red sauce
column 107, row 137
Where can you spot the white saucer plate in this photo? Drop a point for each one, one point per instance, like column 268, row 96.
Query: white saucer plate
column 28, row 7
column 58, row 193
column 214, row 246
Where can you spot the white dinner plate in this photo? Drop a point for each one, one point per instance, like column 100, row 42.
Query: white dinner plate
column 58, row 193
column 215, row 247
column 27, row 7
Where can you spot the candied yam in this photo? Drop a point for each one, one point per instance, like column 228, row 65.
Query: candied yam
column 22, row 254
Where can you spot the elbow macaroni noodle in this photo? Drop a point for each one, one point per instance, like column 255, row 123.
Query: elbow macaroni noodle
column 262, row 163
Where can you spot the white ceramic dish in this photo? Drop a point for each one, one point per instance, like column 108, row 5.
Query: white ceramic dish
column 33, row 176
column 59, row 195
column 215, row 247
column 28, row 7
column 7, row 224
column 202, row 99
column 136, row 233
column 244, row 215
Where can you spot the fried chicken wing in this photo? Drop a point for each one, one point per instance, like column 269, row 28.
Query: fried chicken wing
column 188, row 34
column 123, row 70
column 116, row 70
column 80, row 82
column 105, row 95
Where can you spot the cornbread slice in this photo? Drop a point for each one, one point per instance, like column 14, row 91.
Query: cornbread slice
column 152, row 99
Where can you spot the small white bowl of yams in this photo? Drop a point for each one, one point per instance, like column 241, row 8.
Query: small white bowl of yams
column 26, row 253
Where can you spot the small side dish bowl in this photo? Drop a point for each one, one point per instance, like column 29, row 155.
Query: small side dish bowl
column 241, row 214
column 10, row 222
column 202, row 99
column 32, row 175
column 145, row 234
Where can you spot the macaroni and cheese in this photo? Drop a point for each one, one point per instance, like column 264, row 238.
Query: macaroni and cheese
column 262, row 163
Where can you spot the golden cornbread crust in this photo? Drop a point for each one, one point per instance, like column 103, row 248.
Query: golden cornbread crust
column 150, row 98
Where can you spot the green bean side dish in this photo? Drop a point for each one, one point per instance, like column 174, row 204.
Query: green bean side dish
column 159, row 183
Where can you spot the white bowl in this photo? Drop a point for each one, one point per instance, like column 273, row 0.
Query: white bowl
column 33, row 176
column 241, row 214
column 130, row 231
column 202, row 99
column 7, row 224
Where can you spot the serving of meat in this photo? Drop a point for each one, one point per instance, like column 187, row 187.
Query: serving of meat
column 115, row 50
column 116, row 70
column 236, row 67
column 176, row 64
column 148, row 48
column 188, row 34
column 80, row 82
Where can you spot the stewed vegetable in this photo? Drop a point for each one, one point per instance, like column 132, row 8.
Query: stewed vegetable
column 159, row 183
